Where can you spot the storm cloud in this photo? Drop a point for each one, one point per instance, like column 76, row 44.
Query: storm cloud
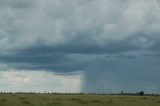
column 116, row 43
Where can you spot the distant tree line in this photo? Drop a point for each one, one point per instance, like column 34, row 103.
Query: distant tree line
column 141, row 93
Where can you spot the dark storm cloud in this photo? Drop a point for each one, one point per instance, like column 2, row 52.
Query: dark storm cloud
column 110, row 40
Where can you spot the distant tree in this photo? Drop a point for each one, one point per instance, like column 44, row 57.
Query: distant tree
column 141, row 93
column 122, row 92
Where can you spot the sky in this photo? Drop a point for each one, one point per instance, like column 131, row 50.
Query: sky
column 100, row 46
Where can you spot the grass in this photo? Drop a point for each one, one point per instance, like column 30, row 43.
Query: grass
column 76, row 100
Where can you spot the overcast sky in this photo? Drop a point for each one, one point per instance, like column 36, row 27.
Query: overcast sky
column 98, row 45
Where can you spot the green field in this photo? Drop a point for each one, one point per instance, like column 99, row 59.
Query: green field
column 76, row 100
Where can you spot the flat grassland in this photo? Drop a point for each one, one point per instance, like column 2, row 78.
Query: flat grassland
column 76, row 100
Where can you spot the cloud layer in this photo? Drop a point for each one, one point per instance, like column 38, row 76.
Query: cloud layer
column 96, row 24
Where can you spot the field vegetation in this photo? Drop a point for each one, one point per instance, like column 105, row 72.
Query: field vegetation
column 77, row 100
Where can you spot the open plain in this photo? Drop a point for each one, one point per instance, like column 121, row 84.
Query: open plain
column 77, row 100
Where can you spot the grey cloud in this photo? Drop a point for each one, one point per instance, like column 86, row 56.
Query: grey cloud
column 17, row 3
column 56, row 23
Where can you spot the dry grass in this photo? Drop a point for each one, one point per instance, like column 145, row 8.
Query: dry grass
column 76, row 100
